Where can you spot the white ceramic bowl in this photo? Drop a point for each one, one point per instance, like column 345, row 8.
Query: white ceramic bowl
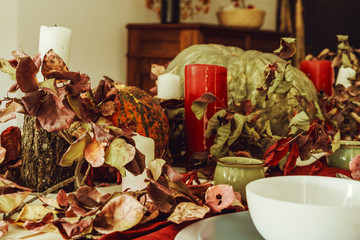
column 305, row 207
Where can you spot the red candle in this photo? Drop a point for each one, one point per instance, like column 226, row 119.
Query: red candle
column 321, row 73
column 199, row 79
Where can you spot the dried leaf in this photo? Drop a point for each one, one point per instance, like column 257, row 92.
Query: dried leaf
column 90, row 197
column 120, row 214
column 75, row 152
column 33, row 213
column 119, row 153
column 9, row 202
column 53, row 115
column 39, row 225
column 52, row 61
column 276, row 152
column 74, row 227
column 26, row 71
column 214, row 123
column 300, row 122
column 291, row 160
column 101, row 135
column 187, row 211
column 107, row 108
column 6, row 67
column 354, row 166
column 95, row 153
column 239, row 124
column 79, row 83
column 155, row 166
column 219, row 197
column 11, row 140
column 200, row 104
column 287, row 48
column 4, row 228
column 10, row 111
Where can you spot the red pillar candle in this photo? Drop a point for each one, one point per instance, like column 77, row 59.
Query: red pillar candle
column 199, row 79
column 321, row 73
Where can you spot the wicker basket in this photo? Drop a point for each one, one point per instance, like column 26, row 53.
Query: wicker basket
column 241, row 17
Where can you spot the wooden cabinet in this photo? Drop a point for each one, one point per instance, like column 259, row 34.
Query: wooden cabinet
column 160, row 43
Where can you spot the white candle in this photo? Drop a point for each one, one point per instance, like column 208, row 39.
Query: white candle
column 344, row 74
column 56, row 38
column 168, row 86
column 147, row 147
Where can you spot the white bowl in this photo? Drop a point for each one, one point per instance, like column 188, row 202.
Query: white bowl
column 305, row 207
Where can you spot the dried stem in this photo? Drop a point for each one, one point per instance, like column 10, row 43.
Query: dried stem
column 44, row 193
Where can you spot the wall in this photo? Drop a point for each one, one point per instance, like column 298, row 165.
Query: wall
column 99, row 34
column 8, row 42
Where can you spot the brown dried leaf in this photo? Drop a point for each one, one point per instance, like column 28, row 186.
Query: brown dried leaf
column 119, row 153
column 90, row 197
column 120, row 214
column 155, row 166
column 9, row 202
column 107, row 108
column 39, row 225
column 73, row 227
column 187, row 211
column 95, row 153
column 52, row 61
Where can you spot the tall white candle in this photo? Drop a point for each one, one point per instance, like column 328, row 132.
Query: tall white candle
column 168, row 86
column 344, row 74
column 147, row 147
column 56, row 38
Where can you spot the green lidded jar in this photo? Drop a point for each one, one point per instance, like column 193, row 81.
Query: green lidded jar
column 342, row 156
column 238, row 172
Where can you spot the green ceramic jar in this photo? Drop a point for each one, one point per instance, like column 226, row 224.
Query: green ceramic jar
column 341, row 157
column 238, row 172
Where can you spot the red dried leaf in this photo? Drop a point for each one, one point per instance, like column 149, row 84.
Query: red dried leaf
column 26, row 72
column 39, row 225
column 276, row 152
column 52, row 61
column 62, row 199
column 32, row 102
column 11, row 141
column 73, row 229
column 291, row 160
column 219, row 197
column 53, row 115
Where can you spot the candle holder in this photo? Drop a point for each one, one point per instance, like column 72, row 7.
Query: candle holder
column 199, row 79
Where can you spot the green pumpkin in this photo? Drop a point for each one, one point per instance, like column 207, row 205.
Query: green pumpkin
column 245, row 73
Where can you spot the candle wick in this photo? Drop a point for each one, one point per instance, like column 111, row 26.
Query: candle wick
column 55, row 25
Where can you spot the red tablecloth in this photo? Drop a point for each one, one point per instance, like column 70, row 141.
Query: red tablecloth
column 163, row 230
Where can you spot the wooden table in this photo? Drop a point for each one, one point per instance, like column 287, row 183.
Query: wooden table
column 160, row 43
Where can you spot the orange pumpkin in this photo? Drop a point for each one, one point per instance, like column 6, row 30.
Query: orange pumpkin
column 135, row 105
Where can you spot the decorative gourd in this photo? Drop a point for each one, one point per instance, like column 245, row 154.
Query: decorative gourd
column 137, row 106
column 245, row 73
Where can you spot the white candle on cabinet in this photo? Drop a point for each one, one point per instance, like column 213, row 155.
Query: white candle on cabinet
column 146, row 146
column 169, row 86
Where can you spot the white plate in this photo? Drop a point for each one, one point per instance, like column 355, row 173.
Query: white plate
column 228, row 226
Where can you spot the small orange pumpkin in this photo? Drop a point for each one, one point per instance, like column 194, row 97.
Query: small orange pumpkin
column 135, row 105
